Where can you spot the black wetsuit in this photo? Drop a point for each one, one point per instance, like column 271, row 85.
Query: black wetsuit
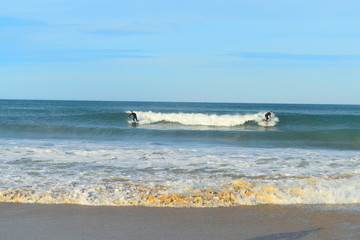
column 134, row 116
column 267, row 116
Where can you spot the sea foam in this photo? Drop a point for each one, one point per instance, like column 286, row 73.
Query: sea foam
column 120, row 174
column 201, row 119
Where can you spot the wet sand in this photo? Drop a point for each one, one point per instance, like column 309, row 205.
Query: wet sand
column 268, row 222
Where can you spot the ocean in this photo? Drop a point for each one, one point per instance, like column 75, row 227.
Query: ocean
column 179, row 154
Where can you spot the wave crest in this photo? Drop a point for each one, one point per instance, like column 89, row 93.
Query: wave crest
column 201, row 119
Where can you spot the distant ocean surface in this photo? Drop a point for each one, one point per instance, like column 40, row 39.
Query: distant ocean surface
column 179, row 155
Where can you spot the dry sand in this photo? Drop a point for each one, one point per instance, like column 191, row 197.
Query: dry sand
column 268, row 222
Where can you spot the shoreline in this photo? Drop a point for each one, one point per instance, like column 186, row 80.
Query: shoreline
column 261, row 222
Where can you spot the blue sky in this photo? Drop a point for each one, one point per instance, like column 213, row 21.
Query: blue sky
column 265, row 51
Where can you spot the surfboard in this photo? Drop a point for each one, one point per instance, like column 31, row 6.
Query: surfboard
column 133, row 122
column 266, row 123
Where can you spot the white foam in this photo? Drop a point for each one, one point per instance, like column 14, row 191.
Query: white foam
column 116, row 173
column 200, row 119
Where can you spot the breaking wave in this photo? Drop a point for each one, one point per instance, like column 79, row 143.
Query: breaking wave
column 201, row 119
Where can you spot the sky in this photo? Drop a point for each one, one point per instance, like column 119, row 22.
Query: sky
column 241, row 51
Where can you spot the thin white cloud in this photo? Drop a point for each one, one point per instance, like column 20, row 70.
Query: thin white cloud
column 294, row 57
column 73, row 55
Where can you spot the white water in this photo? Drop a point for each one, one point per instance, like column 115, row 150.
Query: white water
column 200, row 119
column 114, row 173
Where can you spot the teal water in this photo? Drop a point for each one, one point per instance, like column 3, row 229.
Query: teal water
column 308, row 126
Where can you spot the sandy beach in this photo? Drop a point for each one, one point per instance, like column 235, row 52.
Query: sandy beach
column 266, row 222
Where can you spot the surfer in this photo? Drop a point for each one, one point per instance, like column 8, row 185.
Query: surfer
column 268, row 116
column 134, row 116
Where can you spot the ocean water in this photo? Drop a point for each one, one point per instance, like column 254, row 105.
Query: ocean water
column 179, row 155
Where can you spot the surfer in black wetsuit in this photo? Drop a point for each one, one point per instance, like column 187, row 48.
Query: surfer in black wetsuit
column 268, row 116
column 134, row 116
